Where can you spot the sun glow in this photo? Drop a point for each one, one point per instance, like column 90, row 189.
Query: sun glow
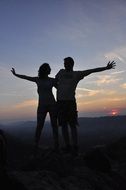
column 114, row 112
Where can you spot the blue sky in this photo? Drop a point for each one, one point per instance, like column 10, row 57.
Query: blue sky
column 37, row 31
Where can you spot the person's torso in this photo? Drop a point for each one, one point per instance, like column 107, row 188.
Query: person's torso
column 67, row 83
column 45, row 86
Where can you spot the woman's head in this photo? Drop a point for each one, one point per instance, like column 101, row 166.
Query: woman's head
column 44, row 70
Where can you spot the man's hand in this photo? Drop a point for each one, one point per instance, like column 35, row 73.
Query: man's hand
column 13, row 71
column 111, row 65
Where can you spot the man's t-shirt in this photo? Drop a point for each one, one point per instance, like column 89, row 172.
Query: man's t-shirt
column 67, row 83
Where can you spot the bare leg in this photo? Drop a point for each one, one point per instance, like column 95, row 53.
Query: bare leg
column 38, row 134
column 53, row 118
column 65, row 134
column 74, row 138
column 74, row 135
column 39, row 127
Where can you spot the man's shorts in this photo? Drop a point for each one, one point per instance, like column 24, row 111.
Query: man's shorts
column 67, row 112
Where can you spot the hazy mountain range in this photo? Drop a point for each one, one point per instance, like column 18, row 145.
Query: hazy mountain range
column 99, row 129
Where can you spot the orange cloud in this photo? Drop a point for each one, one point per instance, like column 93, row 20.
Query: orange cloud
column 106, row 79
column 123, row 85
column 92, row 104
column 84, row 92
column 26, row 103
column 81, row 92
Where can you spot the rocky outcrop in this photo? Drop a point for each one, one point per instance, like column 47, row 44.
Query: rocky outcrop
column 92, row 170
column 97, row 168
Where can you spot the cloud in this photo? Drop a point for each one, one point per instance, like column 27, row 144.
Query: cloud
column 117, row 99
column 84, row 92
column 106, row 79
column 118, row 72
column 104, row 102
column 123, row 85
column 113, row 55
column 101, row 79
column 117, row 54
column 89, row 92
column 26, row 103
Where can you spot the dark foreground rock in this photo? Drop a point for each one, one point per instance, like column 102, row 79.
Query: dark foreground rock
column 92, row 170
column 98, row 168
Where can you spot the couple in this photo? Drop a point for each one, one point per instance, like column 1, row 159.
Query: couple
column 65, row 109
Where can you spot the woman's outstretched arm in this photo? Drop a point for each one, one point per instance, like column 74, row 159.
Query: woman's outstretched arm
column 33, row 79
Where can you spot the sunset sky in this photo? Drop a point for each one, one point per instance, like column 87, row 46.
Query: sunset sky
column 36, row 31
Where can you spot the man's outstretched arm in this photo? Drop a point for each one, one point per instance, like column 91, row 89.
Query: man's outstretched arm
column 110, row 65
column 33, row 79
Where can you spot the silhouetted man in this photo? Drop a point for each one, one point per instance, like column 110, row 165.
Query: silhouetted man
column 67, row 81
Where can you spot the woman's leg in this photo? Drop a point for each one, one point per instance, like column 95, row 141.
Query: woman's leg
column 40, row 123
column 54, row 123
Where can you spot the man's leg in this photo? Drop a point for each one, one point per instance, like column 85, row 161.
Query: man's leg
column 73, row 122
column 63, row 110
column 74, row 136
column 65, row 133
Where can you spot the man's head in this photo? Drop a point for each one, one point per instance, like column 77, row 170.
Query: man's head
column 68, row 63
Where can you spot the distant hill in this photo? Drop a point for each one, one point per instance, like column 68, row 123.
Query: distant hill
column 91, row 131
column 101, row 130
column 109, row 127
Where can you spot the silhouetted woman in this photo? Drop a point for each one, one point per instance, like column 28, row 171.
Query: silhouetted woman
column 46, row 101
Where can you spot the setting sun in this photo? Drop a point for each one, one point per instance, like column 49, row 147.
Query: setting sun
column 114, row 112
